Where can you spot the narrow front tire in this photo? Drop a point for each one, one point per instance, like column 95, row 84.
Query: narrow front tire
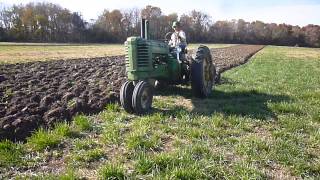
column 126, row 93
column 142, row 97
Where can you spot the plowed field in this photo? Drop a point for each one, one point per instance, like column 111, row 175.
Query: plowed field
column 43, row 93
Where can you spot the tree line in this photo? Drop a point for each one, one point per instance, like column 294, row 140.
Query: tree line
column 47, row 22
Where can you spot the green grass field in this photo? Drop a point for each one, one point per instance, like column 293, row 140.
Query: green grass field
column 262, row 122
column 27, row 52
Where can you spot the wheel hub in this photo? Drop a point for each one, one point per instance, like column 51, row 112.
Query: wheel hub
column 145, row 98
column 207, row 74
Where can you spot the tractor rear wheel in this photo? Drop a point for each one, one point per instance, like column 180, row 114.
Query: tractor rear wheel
column 126, row 92
column 142, row 97
column 202, row 73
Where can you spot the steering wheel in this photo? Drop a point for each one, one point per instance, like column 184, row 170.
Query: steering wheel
column 167, row 37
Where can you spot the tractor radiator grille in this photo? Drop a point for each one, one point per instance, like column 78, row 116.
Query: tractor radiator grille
column 127, row 57
column 143, row 55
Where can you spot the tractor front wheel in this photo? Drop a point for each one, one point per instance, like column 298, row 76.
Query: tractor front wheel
column 202, row 73
column 142, row 97
column 126, row 92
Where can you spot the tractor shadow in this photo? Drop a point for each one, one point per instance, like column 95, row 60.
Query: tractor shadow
column 251, row 104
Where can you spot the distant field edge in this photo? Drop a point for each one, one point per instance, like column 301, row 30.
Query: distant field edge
column 12, row 53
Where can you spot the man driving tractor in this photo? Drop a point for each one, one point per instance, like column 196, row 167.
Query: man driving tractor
column 178, row 38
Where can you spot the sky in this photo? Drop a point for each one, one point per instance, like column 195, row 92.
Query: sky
column 294, row 12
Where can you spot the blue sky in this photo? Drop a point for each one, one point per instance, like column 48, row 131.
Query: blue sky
column 295, row 12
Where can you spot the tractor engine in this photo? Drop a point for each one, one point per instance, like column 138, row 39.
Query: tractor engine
column 149, row 59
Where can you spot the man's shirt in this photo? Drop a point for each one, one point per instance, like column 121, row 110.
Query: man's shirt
column 175, row 40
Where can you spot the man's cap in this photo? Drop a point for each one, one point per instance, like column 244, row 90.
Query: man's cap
column 176, row 24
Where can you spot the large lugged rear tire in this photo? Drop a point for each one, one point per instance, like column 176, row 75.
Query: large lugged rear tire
column 202, row 73
column 142, row 97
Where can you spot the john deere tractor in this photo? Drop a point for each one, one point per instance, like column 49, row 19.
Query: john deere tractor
column 151, row 61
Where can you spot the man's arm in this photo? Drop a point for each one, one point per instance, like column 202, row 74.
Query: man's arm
column 182, row 37
column 171, row 42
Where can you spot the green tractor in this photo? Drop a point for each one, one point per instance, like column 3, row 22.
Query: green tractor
column 151, row 61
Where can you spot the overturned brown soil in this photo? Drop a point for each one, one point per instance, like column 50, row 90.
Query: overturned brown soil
column 230, row 57
column 43, row 93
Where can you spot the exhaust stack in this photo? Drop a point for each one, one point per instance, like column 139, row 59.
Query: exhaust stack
column 144, row 28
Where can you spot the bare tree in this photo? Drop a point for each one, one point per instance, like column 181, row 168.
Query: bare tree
column 47, row 22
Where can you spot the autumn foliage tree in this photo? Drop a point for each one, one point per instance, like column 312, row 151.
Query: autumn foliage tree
column 47, row 22
column 42, row 22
